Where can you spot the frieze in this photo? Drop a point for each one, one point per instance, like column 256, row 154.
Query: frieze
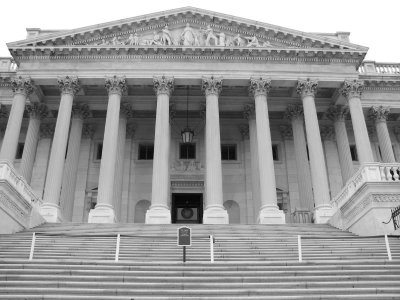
column 190, row 166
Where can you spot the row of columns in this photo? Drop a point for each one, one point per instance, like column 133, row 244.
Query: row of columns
column 114, row 137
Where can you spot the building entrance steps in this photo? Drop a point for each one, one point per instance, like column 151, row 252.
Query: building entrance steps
column 76, row 261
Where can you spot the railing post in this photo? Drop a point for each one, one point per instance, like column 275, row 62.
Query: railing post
column 211, row 248
column 32, row 246
column 299, row 248
column 117, row 248
column 388, row 247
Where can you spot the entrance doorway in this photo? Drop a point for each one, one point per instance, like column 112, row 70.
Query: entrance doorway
column 187, row 208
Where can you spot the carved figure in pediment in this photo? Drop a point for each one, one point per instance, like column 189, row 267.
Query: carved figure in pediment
column 266, row 44
column 221, row 36
column 166, row 36
column 156, row 39
column 238, row 41
column 115, row 41
column 104, row 42
column 188, row 36
column 252, row 41
column 209, row 32
column 133, row 39
column 191, row 166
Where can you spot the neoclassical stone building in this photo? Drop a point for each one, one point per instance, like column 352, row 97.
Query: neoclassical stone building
column 192, row 116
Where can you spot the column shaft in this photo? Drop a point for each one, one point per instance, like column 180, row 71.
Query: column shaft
column 31, row 142
column 255, row 175
column 342, row 141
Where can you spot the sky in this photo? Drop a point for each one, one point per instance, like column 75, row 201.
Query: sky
column 374, row 24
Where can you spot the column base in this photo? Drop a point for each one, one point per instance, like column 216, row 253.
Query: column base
column 322, row 214
column 158, row 215
column 271, row 215
column 51, row 213
column 215, row 215
column 102, row 213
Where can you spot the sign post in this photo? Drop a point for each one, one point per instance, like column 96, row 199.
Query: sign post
column 184, row 239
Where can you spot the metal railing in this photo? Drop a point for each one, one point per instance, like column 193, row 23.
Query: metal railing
column 395, row 217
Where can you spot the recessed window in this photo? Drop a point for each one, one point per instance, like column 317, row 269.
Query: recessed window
column 146, row 151
column 20, row 151
column 353, row 152
column 187, row 151
column 228, row 152
column 275, row 152
column 99, row 151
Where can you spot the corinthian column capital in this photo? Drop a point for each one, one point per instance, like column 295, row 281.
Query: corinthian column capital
column 286, row 132
column 69, row 85
column 126, row 110
column 116, row 85
column 379, row 113
column 80, row 110
column 163, row 85
column 37, row 110
column 259, row 86
column 307, row 87
column 211, row 85
column 88, row 131
column 294, row 112
column 352, row 89
column 22, row 85
column 337, row 113
column 249, row 111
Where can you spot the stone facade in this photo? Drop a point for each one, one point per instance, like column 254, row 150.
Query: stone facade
column 280, row 119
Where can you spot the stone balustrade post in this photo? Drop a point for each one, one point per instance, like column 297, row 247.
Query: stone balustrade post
column 50, row 209
column 37, row 112
column 104, row 210
column 323, row 210
column 22, row 88
column 159, row 212
column 380, row 114
column 269, row 212
column 352, row 90
column 215, row 212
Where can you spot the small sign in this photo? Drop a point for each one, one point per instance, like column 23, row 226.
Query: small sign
column 184, row 236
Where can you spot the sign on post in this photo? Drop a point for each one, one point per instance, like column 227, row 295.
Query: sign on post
column 184, row 236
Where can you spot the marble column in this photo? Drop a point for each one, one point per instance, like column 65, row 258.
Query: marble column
column 380, row 114
column 128, row 194
column 396, row 131
column 159, row 212
column 22, row 87
column 215, row 212
column 352, row 90
column 104, row 210
column 249, row 114
column 246, row 157
column 319, row 177
column 269, row 212
column 338, row 114
column 4, row 113
column 79, row 113
column 37, row 111
column 125, row 113
column 295, row 114
column 50, row 209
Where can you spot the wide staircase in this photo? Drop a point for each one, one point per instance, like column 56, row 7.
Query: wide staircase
column 89, row 261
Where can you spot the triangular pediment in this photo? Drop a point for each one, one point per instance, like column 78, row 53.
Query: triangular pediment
column 186, row 27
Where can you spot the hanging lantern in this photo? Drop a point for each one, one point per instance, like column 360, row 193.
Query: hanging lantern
column 187, row 133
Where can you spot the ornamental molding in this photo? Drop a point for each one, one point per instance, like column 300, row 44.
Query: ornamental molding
column 22, row 85
column 379, row 113
column 352, row 89
column 16, row 207
column 294, row 112
column 116, row 85
column 307, row 87
column 337, row 113
column 37, row 110
column 211, row 85
column 69, row 85
column 163, row 85
column 259, row 86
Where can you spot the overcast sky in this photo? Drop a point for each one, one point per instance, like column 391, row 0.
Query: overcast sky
column 372, row 23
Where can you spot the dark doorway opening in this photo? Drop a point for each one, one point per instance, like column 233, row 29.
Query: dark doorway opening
column 187, row 208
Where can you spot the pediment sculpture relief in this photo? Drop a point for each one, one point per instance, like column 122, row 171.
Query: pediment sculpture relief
column 190, row 166
column 188, row 36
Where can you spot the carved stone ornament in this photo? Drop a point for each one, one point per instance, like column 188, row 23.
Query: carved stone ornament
column 259, row 86
column 249, row 111
column 337, row 112
column 307, row 87
column 294, row 112
column 379, row 113
column 116, row 85
column 4, row 112
column 172, row 112
column 286, row 132
column 351, row 89
column 47, row 131
column 326, row 132
column 69, row 85
column 211, row 85
column 22, row 85
column 126, row 110
column 37, row 110
column 88, row 131
column 244, row 131
column 203, row 111
column 130, row 130
column 163, row 85
column 80, row 110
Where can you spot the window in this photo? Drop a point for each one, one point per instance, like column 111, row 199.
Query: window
column 146, row 151
column 187, row 151
column 353, row 152
column 99, row 151
column 275, row 152
column 20, row 150
column 228, row 151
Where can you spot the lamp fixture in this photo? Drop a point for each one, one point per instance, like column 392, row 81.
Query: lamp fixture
column 187, row 133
